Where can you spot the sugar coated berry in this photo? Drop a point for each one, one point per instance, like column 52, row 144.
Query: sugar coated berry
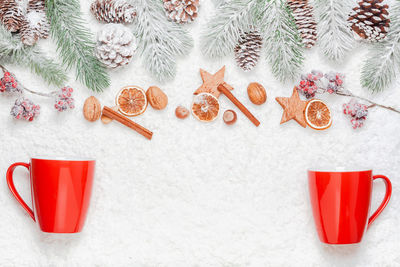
column 64, row 99
column 358, row 113
column 25, row 109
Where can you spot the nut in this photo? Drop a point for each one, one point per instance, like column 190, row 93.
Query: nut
column 107, row 120
column 229, row 117
column 181, row 112
column 92, row 109
column 257, row 94
column 157, row 98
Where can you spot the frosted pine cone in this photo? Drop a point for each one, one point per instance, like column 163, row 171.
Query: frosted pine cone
column 11, row 14
column 370, row 20
column 35, row 25
column 113, row 11
column 305, row 21
column 181, row 11
column 247, row 51
column 115, row 45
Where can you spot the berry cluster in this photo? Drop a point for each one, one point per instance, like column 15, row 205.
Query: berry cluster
column 64, row 99
column 335, row 82
column 9, row 84
column 357, row 111
column 25, row 109
column 309, row 83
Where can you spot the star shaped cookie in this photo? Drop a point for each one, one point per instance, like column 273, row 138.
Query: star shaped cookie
column 211, row 82
column 293, row 108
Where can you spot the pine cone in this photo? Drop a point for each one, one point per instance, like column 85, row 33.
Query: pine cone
column 370, row 20
column 115, row 45
column 305, row 21
column 113, row 11
column 181, row 11
column 247, row 51
column 35, row 24
column 11, row 14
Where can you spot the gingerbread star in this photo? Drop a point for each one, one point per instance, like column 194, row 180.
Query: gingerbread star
column 293, row 108
column 211, row 82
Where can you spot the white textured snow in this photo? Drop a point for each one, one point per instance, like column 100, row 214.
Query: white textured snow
column 200, row 194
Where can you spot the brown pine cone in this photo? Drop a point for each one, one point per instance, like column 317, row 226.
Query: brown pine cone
column 35, row 25
column 370, row 20
column 11, row 15
column 247, row 51
column 113, row 11
column 305, row 21
column 181, row 11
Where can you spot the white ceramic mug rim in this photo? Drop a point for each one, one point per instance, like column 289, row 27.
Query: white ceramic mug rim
column 333, row 169
column 63, row 158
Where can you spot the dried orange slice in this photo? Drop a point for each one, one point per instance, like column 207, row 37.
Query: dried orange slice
column 317, row 114
column 205, row 107
column 131, row 101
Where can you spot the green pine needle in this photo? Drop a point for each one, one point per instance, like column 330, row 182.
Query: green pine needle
column 13, row 51
column 161, row 41
column 383, row 61
column 74, row 43
column 223, row 30
column 283, row 46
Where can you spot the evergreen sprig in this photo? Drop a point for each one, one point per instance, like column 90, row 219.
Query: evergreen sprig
column 160, row 41
column 12, row 50
column 282, row 43
column 74, row 43
column 222, row 33
column 283, row 46
column 334, row 36
column 383, row 60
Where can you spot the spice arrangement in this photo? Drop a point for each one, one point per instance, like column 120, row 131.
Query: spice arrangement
column 205, row 106
column 130, row 101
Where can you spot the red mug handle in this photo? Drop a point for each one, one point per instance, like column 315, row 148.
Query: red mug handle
column 10, row 183
column 385, row 200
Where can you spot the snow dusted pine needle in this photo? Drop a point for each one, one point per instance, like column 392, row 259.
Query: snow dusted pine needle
column 334, row 34
column 383, row 60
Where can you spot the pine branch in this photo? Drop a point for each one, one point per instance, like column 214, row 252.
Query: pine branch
column 218, row 3
column 283, row 45
column 223, row 30
column 334, row 35
column 161, row 41
column 74, row 43
column 383, row 60
column 13, row 51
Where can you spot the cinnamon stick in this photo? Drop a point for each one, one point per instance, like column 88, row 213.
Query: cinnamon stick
column 127, row 122
column 224, row 88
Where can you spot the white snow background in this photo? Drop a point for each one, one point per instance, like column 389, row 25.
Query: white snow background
column 200, row 194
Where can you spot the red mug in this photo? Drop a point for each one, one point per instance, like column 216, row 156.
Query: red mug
column 60, row 189
column 341, row 201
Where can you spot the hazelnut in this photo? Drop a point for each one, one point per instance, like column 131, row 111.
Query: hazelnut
column 229, row 117
column 181, row 112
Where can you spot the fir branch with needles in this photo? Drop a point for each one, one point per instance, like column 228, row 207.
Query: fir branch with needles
column 160, row 41
column 283, row 45
column 75, row 44
column 13, row 51
column 383, row 60
column 282, row 42
column 223, row 31
column 334, row 35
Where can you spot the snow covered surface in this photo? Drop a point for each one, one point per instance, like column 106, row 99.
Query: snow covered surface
column 200, row 194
